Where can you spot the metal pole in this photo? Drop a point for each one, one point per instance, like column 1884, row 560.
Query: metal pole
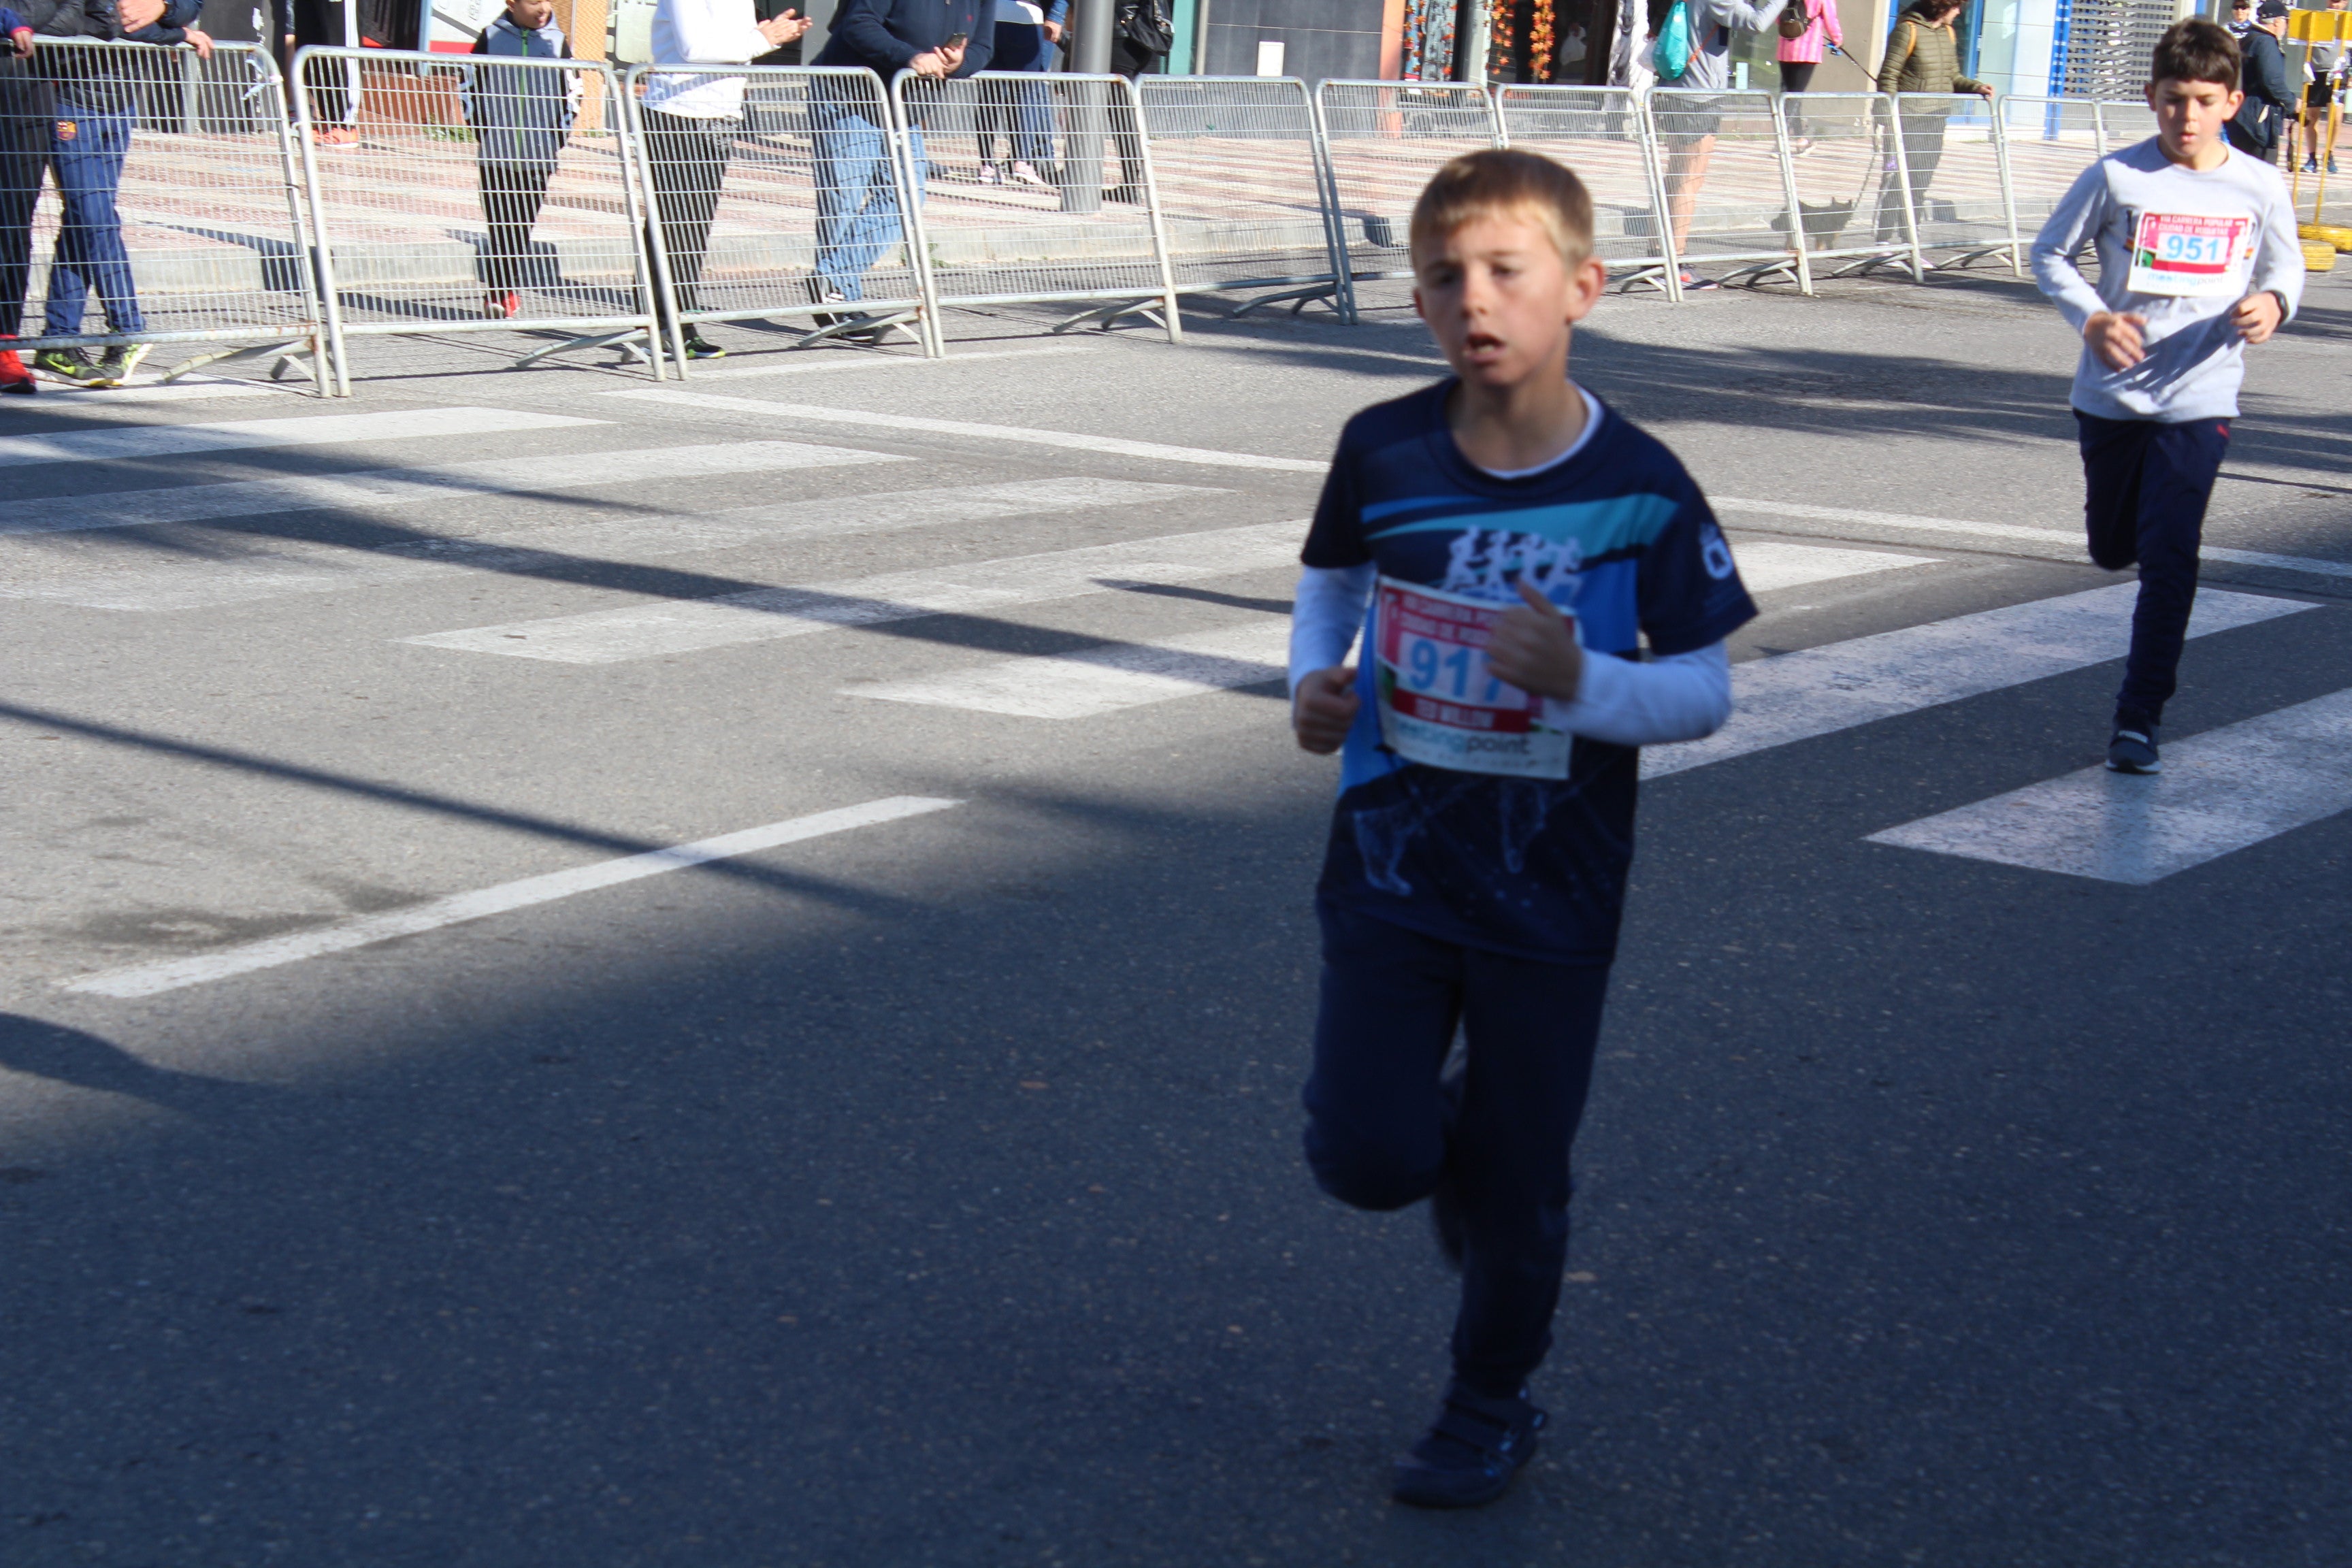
column 1095, row 19
column 1089, row 108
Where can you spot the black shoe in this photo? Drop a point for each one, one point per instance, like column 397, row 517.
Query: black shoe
column 1470, row 1453
column 821, row 292
column 2133, row 751
column 699, row 347
column 1445, row 1199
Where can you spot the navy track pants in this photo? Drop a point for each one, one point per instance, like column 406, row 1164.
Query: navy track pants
column 2144, row 489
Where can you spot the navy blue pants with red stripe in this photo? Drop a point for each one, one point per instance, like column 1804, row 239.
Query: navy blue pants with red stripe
column 2144, row 489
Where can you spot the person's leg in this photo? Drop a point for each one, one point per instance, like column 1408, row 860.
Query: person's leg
column 2112, row 450
column 1033, row 124
column 1376, row 1118
column 687, row 161
column 507, row 215
column 853, row 173
column 1530, row 1028
column 1796, row 76
column 1685, row 172
column 1923, row 147
column 321, row 23
column 2178, row 465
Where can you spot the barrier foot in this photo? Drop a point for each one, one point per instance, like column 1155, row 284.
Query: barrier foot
column 1967, row 258
column 1883, row 258
column 1105, row 316
column 1652, row 276
column 853, row 326
column 1299, row 299
column 625, row 338
column 286, row 360
column 1762, row 271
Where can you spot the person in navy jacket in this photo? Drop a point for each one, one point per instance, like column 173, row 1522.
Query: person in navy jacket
column 858, row 215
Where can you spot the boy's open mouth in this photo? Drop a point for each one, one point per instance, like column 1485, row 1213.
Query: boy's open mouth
column 1483, row 344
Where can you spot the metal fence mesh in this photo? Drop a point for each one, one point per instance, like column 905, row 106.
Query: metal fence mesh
column 170, row 213
column 1084, row 229
column 777, row 192
column 1599, row 131
column 2047, row 144
column 497, row 192
column 2122, row 124
column 1959, row 200
column 1240, row 179
column 1731, row 194
column 1383, row 140
column 1842, row 159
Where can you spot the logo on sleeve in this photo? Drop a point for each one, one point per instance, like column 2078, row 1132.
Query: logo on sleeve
column 1716, row 552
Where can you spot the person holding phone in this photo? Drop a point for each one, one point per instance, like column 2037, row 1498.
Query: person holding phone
column 858, row 215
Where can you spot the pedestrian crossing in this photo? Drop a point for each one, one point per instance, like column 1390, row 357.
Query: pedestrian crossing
column 2224, row 791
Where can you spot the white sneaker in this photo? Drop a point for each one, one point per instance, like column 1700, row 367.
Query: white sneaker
column 988, row 174
column 1026, row 173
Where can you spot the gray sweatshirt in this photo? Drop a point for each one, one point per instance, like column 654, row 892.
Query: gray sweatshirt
column 1712, row 23
column 2180, row 249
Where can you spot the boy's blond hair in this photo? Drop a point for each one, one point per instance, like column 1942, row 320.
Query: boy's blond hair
column 1508, row 181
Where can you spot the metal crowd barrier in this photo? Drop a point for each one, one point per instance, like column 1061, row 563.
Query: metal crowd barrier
column 183, row 225
column 1731, row 194
column 779, row 193
column 2046, row 143
column 1088, row 232
column 1602, row 135
column 454, row 193
column 1381, row 142
column 2122, row 124
column 1958, row 179
column 1847, row 171
column 1242, row 189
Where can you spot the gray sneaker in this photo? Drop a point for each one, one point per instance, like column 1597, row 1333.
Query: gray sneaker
column 2134, row 752
column 116, row 363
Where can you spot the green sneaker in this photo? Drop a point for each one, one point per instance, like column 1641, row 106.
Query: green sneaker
column 71, row 364
column 117, row 363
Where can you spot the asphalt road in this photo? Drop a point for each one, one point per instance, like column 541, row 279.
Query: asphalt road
column 927, row 1191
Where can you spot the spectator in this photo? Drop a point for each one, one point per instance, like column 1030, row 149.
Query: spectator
column 1814, row 24
column 2242, row 20
column 1141, row 35
column 858, row 215
column 2269, row 100
column 520, row 119
column 2325, row 64
column 28, row 109
column 96, row 109
column 1922, row 56
column 309, row 24
column 1689, row 130
column 1020, row 112
column 689, row 122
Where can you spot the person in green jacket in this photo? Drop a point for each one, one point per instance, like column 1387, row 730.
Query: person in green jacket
column 1923, row 54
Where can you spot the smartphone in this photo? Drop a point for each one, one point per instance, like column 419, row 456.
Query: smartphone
column 957, row 41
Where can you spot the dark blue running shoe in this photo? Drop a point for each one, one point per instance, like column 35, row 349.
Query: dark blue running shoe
column 2134, row 751
column 1470, row 1453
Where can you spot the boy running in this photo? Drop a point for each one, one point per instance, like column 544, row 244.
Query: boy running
column 1514, row 540
column 2197, row 258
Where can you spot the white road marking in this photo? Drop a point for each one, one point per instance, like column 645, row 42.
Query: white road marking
column 170, row 974
column 1797, row 696
column 814, row 365
column 674, row 627
column 2222, row 790
column 630, row 540
column 1087, row 682
column 1768, row 565
column 141, row 394
column 2057, row 544
column 305, row 430
column 374, row 488
column 1110, row 445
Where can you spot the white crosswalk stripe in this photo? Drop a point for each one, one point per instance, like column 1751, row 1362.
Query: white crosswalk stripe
column 375, row 488
column 649, row 631
column 307, row 430
column 2222, row 790
column 621, row 542
column 1797, row 696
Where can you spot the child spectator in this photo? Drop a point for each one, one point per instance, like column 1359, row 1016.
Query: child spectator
column 1516, row 540
column 2197, row 258
column 520, row 118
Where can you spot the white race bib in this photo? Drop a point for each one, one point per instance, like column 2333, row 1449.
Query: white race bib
column 2190, row 255
column 1439, row 703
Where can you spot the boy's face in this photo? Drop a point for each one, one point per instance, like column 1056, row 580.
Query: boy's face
column 1500, row 300
column 530, row 15
column 2190, row 115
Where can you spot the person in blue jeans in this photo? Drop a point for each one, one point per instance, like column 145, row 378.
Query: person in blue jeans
column 858, row 215
column 1021, row 113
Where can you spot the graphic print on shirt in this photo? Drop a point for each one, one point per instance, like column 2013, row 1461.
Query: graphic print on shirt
column 1489, row 562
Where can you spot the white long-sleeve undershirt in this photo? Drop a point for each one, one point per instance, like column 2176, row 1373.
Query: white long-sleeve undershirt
column 1678, row 697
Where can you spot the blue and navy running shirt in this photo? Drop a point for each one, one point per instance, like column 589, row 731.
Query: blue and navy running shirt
column 1619, row 535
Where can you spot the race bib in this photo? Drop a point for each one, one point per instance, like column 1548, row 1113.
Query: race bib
column 2187, row 254
column 1439, row 703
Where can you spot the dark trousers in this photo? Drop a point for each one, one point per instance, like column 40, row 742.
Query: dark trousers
column 687, row 159
column 1796, row 76
column 511, row 196
column 1922, row 150
column 2144, row 489
column 24, row 158
column 318, row 22
column 1377, row 1136
column 89, row 253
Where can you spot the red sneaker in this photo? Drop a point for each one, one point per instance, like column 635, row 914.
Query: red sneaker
column 13, row 377
column 503, row 306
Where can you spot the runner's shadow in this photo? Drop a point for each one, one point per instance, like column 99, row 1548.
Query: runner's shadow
column 38, row 1048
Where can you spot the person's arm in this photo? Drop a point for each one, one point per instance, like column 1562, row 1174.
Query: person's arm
column 860, row 23
column 1830, row 23
column 2079, row 216
column 980, row 48
column 1756, row 16
column 2274, row 77
column 1326, row 613
column 1683, row 697
column 1898, row 54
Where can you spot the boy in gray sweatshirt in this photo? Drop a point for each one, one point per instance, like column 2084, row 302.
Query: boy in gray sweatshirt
column 2197, row 258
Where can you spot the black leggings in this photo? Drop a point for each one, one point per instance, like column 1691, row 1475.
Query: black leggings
column 511, row 196
column 23, row 158
column 687, row 159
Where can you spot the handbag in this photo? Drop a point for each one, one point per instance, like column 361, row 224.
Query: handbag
column 1145, row 24
column 1796, row 20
